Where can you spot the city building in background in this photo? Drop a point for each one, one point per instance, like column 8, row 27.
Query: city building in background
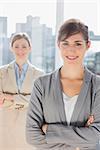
column 92, row 61
column 3, row 38
column 59, row 21
column 3, row 26
column 94, row 37
column 45, row 53
column 44, row 49
column 43, row 43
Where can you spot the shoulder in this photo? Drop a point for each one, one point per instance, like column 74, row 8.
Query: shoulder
column 96, row 81
column 95, row 77
column 7, row 66
column 47, row 78
column 3, row 69
column 37, row 71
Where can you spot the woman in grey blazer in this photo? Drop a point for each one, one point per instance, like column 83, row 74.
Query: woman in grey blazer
column 64, row 109
column 16, row 81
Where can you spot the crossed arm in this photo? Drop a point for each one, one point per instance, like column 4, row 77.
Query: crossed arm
column 14, row 101
column 7, row 97
column 89, row 122
column 57, row 135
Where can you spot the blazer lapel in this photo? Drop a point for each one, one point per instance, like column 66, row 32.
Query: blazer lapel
column 29, row 78
column 11, row 72
column 58, row 96
column 25, row 88
column 82, row 96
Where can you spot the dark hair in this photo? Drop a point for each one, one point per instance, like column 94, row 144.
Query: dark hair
column 18, row 36
column 72, row 27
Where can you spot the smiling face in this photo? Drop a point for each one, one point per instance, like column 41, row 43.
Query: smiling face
column 73, row 41
column 73, row 49
column 21, row 49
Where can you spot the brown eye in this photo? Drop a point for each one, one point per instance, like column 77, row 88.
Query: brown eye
column 78, row 44
column 65, row 43
column 24, row 47
column 16, row 47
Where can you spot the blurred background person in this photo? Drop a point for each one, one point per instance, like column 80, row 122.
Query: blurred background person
column 16, row 81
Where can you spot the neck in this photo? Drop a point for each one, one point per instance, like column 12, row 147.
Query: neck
column 20, row 64
column 72, row 73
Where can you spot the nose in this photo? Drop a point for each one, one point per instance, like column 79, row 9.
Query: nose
column 20, row 49
column 72, row 48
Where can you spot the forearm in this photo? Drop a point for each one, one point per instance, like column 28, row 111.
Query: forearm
column 6, row 100
column 15, row 101
column 21, row 101
column 34, row 133
column 83, row 136
column 37, row 139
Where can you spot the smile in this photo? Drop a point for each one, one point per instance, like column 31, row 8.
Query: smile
column 71, row 57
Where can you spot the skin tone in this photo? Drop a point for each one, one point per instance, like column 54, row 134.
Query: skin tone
column 72, row 51
column 21, row 50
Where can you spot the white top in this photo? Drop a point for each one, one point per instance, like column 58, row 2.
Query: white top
column 69, row 104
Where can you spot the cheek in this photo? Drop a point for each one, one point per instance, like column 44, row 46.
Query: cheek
column 62, row 52
column 82, row 54
column 14, row 50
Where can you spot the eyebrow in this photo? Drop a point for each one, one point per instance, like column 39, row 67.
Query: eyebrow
column 79, row 41
column 74, row 41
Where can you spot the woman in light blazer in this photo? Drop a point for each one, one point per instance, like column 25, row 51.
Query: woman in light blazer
column 16, row 81
column 64, row 109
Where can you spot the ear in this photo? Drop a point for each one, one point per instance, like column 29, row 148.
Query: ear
column 88, row 44
column 11, row 49
column 30, row 48
column 58, row 44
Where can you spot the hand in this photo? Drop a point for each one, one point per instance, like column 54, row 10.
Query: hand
column 5, row 97
column 2, row 98
column 44, row 128
column 90, row 120
column 19, row 106
column 8, row 97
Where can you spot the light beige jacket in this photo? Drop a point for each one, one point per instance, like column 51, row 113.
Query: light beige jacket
column 12, row 120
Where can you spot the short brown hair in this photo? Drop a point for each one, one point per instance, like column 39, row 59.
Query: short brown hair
column 71, row 27
column 18, row 36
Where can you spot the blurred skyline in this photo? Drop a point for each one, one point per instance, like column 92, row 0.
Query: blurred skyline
column 38, row 18
column 16, row 11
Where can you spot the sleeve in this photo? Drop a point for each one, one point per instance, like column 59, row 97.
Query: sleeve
column 0, row 81
column 78, row 136
column 21, row 101
column 35, row 120
column 18, row 102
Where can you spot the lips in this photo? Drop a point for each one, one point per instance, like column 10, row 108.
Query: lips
column 21, row 54
column 72, row 57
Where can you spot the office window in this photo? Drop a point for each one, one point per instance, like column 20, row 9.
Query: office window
column 41, row 20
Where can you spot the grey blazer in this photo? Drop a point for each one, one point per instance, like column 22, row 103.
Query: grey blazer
column 46, row 106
